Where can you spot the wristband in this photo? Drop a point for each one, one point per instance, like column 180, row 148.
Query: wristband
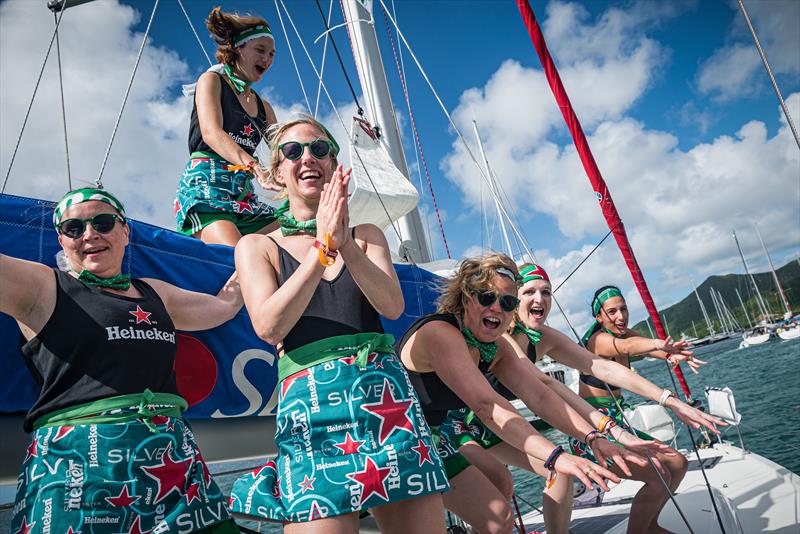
column 550, row 463
column 328, row 252
column 327, row 257
column 665, row 395
column 604, row 422
column 589, row 438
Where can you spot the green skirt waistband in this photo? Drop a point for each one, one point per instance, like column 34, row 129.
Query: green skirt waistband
column 96, row 412
column 605, row 402
column 332, row 348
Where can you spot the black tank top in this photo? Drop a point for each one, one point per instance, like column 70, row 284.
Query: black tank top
column 337, row 308
column 97, row 344
column 434, row 395
column 243, row 129
column 499, row 387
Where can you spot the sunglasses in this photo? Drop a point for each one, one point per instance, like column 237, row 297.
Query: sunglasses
column 507, row 302
column 102, row 223
column 293, row 150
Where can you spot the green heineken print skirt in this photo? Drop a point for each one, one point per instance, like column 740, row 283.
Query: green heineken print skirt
column 141, row 474
column 463, row 425
column 350, row 435
column 209, row 186
column 606, row 406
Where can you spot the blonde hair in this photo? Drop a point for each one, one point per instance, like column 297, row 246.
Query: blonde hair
column 473, row 274
column 274, row 135
column 224, row 27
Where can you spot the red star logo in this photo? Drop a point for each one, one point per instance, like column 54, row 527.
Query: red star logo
column 141, row 315
column 307, row 483
column 193, row 492
column 31, row 452
column 70, row 531
column 63, row 431
column 371, row 480
column 393, row 414
column 269, row 465
column 248, row 130
column 25, row 528
column 123, row 499
column 159, row 419
column 289, row 380
column 350, row 446
column 459, row 427
column 176, row 206
column 136, row 527
column 276, row 489
column 424, row 453
column 241, row 207
column 350, row 360
column 171, row 475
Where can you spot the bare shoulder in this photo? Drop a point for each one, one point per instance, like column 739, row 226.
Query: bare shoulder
column 370, row 234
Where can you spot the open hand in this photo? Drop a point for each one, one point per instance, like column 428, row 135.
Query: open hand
column 694, row 417
column 587, row 472
column 604, row 451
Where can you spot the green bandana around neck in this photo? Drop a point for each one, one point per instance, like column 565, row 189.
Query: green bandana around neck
column 239, row 84
column 487, row 350
column 597, row 305
column 291, row 226
column 86, row 194
column 534, row 336
column 120, row 282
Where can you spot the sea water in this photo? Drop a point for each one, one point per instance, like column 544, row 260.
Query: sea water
column 765, row 380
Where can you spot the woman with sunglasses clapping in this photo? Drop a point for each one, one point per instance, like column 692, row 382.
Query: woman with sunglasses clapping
column 350, row 434
column 109, row 451
column 449, row 356
column 215, row 199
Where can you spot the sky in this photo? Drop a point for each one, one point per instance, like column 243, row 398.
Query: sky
column 674, row 100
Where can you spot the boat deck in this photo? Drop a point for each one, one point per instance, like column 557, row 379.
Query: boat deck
column 753, row 494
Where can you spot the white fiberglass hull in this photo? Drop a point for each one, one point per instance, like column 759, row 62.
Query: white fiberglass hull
column 792, row 333
column 749, row 341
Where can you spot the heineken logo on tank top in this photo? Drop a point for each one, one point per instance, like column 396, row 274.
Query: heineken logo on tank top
column 137, row 328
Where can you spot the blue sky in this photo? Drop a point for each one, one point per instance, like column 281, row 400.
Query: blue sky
column 678, row 110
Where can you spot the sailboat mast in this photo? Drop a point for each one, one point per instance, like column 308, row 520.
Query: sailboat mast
column 493, row 189
column 759, row 300
column 744, row 308
column 372, row 75
column 774, row 274
column 694, row 329
column 666, row 324
column 709, row 326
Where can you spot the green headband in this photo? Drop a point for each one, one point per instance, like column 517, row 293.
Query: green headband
column 252, row 33
column 603, row 296
column 597, row 305
column 533, row 272
column 86, row 194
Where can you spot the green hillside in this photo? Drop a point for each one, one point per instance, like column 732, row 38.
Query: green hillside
column 680, row 316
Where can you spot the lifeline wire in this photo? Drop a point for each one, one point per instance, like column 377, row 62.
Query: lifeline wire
column 291, row 53
column 586, row 258
column 322, row 61
column 339, row 57
column 196, row 36
column 63, row 108
column 33, row 97
column 99, row 181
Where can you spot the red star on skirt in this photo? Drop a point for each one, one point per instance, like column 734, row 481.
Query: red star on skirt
column 25, row 528
column 242, row 207
column 392, row 413
column 31, row 451
column 350, row 446
column 171, row 475
column 372, row 480
column 123, row 499
column 424, row 453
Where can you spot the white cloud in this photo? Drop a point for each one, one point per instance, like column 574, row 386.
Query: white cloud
column 735, row 70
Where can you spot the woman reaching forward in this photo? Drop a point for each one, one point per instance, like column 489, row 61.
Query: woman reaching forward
column 350, row 433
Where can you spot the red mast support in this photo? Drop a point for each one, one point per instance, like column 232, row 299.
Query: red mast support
column 593, row 172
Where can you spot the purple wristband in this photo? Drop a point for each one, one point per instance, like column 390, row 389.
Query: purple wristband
column 550, row 463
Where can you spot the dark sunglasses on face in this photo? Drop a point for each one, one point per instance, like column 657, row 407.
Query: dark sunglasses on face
column 102, row 223
column 507, row 302
column 293, row 150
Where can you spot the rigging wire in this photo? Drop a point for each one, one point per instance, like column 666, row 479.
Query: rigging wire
column 769, row 72
column 324, row 56
column 585, row 258
column 63, row 107
column 416, row 133
column 339, row 57
column 99, row 181
column 291, row 53
column 33, row 97
column 196, row 35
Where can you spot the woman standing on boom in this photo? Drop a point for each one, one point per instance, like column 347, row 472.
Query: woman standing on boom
column 350, row 434
column 215, row 199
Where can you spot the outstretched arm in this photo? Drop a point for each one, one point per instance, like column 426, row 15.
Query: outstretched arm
column 191, row 310
column 27, row 291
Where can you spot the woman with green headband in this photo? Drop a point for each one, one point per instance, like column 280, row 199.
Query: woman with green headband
column 216, row 201
column 109, row 451
column 350, row 436
column 458, row 359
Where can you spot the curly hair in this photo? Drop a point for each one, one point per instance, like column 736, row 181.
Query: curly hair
column 473, row 274
column 276, row 132
column 224, row 27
